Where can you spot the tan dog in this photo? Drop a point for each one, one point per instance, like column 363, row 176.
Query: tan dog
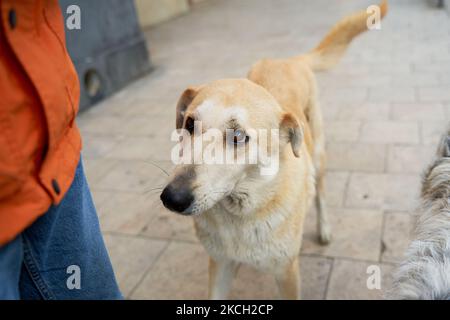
column 242, row 216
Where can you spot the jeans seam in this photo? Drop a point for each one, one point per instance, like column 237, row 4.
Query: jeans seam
column 31, row 266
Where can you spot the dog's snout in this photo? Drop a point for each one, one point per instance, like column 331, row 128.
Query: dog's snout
column 177, row 199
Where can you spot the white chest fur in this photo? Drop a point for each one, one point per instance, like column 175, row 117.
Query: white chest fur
column 265, row 241
column 265, row 228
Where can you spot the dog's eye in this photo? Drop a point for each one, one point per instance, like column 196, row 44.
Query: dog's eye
column 239, row 136
column 189, row 126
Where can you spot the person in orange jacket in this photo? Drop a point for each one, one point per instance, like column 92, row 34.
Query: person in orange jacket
column 51, row 246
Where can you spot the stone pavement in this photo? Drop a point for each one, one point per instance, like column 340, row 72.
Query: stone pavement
column 385, row 106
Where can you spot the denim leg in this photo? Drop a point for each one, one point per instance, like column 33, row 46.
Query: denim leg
column 64, row 253
column 10, row 263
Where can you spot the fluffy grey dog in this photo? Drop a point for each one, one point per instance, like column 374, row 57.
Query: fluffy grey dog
column 425, row 274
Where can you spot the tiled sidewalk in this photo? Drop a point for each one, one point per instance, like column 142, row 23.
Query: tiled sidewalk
column 384, row 108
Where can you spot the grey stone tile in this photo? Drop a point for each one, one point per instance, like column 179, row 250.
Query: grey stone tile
column 383, row 191
column 342, row 131
column 365, row 111
column 392, row 94
column 417, row 111
column 390, row 132
column 432, row 131
column 365, row 157
column 126, row 213
column 139, row 176
column 168, row 225
column 253, row 284
column 384, row 96
column 335, row 187
column 356, row 234
column 434, row 94
column 397, row 230
column 409, row 159
column 96, row 169
column 96, row 146
column 181, row 272
column 131, row 258
column 349, row 280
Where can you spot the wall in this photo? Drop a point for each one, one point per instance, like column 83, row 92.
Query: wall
column 151, row 12
column 109, row 51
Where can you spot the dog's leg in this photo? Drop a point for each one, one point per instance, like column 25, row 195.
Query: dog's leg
column 323, row 225
column 316, row 123
column 289, row 281
column 221, row 275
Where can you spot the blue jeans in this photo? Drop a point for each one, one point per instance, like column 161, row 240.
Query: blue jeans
column 61, row 255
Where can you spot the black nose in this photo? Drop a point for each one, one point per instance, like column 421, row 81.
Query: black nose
column 176, row 199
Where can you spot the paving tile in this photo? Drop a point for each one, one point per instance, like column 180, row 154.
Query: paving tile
column 431, row 67
column 345, row 94
column 96, row 169
column 395, row 69
column 385, row 106
column 417, row 111
column 314, row 274
column 169, row 225
column 143, row 125
column 253, row 284
column 355, row 80
column 161, row 100
column 382, row 191
column 131, row 258
column 366, row 191
column 115, row 105
column 99, row 124
column 390, row 132
column 416, row 79
column 365, row 157
column 392, row 94
column 100, row 197
column 248, row 283
column 432, row 131
column 444, row 78
column 356, row 234
column 447, row 111
column 409, row 159
column 126, row 213
column 330, row 110
column 181, row 272
column 140, row 176
column 342, row 130
column 96, row 146
column 140, row 148
column 364, row 111
column 402, row 192
column 349, row 278
column 434, row 94
column 335, row 187
column 397, row 230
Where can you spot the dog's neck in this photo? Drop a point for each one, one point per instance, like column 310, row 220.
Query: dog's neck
column 248, row 196
column 254, row 192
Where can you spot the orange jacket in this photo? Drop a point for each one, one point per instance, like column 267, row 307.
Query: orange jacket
column 39, row 94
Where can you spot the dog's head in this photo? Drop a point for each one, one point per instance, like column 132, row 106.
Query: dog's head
column 231, row 130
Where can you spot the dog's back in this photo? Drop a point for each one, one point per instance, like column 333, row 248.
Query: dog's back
column 292, row 83
column 426, row 272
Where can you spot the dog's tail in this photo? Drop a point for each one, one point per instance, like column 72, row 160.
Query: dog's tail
column 329, row 52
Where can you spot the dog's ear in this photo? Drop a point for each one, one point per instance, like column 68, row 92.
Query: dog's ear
column 291, row 131
column 183, row 103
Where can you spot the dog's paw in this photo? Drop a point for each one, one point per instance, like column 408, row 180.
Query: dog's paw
column 325, row 236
